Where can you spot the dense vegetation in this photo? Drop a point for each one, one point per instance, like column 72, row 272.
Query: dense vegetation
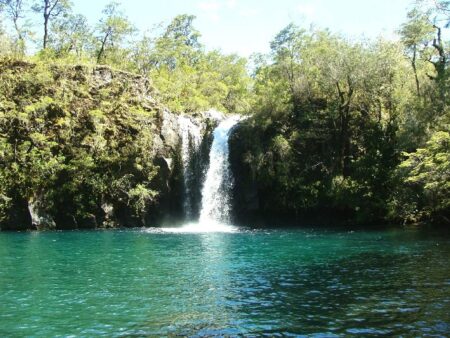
column 359, row 129
column 75, row 142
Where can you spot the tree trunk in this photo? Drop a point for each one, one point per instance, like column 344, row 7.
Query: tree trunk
column 20, row 39
column 440, row 64
column 45, row 31
column 18, row 31
column 413, row 63
column 102, row 48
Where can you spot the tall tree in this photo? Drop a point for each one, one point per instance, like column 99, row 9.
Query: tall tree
column 437, row 13
column 14, row 10
column 181, row 29
column 112, row 29
column 286, row 49
column 415, row 35
column 179, row 44
column 71, row 34
column 50, row 9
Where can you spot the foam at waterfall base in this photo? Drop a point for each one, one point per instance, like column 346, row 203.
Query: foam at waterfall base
column 209, row 226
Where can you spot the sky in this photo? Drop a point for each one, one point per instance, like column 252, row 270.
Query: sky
column 247, row 26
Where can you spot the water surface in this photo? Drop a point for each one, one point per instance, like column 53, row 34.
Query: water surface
column 309, row 282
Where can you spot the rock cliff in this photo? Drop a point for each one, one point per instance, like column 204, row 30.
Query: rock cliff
column 87, row 147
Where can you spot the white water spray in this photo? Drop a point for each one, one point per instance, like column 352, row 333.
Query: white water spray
column 219, row 181
column 215, row 206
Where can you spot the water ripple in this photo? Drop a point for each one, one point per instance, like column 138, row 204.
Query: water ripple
column 253, row 283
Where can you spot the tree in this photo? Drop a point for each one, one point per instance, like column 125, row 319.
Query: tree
column 71, row 33
column 189, row 78
column 14, row 10
column 415, row 34
column 423, row 38
column 326, row 118
column 50, row 9
column 286, row 49
column 438, row 16
column 429, row 168
column 443, row 8
column 112, row 30
column 178, row 45
column 142, row 55
column 181, row 29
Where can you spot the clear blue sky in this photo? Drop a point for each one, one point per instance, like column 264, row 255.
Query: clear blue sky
column 247, row 26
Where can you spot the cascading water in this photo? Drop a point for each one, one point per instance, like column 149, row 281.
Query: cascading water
column 215, row 207
column 215, row 204
column 190, row 143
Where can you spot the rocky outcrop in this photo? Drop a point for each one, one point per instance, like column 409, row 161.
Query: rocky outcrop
column 40, row 218
column 169, row 133
column 107, row 111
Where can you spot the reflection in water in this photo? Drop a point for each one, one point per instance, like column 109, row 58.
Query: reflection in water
column 200, row 228
column 136, row 283
column 210, row 285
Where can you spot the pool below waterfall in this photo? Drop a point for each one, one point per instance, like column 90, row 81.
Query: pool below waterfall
column 291, row 282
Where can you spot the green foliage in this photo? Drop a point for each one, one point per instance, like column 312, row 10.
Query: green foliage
column 113, row 30
column 15, row 12
column 182, row 31
column 50, row 10
column 428, row 169
column 188, row 78
column 331, row 117
column 417, row 31
column 67, row 147
column 71, row 34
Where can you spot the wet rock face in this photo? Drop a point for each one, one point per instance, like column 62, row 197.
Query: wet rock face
column 109, row 220
column 40, row 218
column 102, row 76
column 88, row 222
column 245, row 195
column 168, row 158
column 168, row 184
column 170, row 131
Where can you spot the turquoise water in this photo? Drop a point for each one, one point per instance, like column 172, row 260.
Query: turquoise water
column 145, row 283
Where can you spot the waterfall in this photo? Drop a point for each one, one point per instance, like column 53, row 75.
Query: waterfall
column 215, row 203
column 190, row 143
column 215, row 206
